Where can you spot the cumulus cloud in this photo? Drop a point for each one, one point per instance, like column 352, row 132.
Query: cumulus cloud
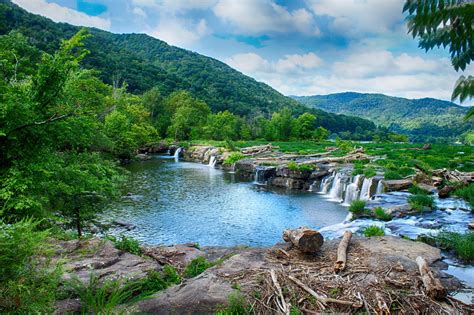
column 180, row 32
column 175, row 5
column 256, row 17
column 356, row 18
column 62, row 14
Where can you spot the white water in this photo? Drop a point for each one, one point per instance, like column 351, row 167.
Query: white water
column 176, row 154
column 212, row 161
column 312, row 186
column 326, row 184
column 365, row 190
column 337, row 188
column 352, row 191
column 259, row 177
column 380, row 187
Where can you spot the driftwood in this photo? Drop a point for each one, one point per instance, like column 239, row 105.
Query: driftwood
column 281, row 303
column 433, row 286
column 342, row 252
column 341, row 159
column 454, row 176
column 305, row 239
column 257, row 149
column 323, row 300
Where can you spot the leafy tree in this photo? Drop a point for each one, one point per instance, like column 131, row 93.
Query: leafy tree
column 159, row 111
column 282, row 124
column 222, row 126
column 320, row 134
column 446, row 23
column 304, row 126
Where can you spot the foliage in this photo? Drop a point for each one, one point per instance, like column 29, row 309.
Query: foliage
column 369, row 172
column 293, row 166
column 461, row 244
column 237, row 305
column 380, row 214
column 357, row 207
column 373, row 230
column 420, row 201
column 27, row 285
column 233, row 157
column 389, row 175
column 127, row 244
column 155, row 281
column 344, row 145
column 416, row 190
column 448, row 24
column 197, row 266
column 467, row 193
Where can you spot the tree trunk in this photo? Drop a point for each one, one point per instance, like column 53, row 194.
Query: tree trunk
column 342, row 252
column 305, row 239
column 433, row 286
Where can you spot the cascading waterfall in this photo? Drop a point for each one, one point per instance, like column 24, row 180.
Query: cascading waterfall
column 380, row 187
column 312, row 186
column 337, row 188
column 259, row 176
column 365, row 190
column 352, row 191
column 326, row 184
column 176, row 154
column 212, row 161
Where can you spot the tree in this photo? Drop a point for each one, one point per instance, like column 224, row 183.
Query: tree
column 320, row 134
column 304, row 126
column 447, row 23
column 282, row 123
column 222, row 126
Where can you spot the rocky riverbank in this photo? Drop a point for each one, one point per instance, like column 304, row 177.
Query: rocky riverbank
column 380, row 271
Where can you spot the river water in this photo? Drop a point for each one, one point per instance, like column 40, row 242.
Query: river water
column 173, row 202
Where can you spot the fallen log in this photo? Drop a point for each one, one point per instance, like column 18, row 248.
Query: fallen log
column 340, row 264
column 257, row 149
column 281, row 303
column 433, row 286
column 341, row 159
column 305, row 239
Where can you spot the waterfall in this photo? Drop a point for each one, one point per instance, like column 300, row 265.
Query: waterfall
column 311, row 187
column 380, row 187
column 212, row 161
column 337, row 188
column 176, row 154
column 260, row 176
column 326, row 183
column 352, row 191
column 365, row 191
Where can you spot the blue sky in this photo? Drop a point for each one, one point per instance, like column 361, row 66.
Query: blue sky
column 299, row 47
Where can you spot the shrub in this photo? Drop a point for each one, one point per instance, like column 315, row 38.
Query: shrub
column 461, row 244
column 357, row 207
column 127, row 244
column 197, row 266
column 392, row 175
column 418, row 202
column 27, row 284
column 233, row 157
column 416, row 190
column 369, row 172
column 171, row 276
column 467, row 193
column 373, row 230
column 358, row 171
column 293, row 166
column 380, row 214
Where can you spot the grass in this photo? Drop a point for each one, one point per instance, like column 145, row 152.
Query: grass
column 390, row 175
column 419, row 202
column 233, row 157
column 380, row 214
column 461, row 244
column 197, row 266
column 293, row 166
column 416, row 190
column 467, row 193
column 373, row 230
column 237, row 305
column 369, row 172
column 357, row 207
column 127, row 244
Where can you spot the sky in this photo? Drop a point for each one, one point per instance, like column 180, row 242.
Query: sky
column 299, row 47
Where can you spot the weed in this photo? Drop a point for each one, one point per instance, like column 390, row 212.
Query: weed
column 389, row 175
column 467, row 193
column 380, row 214
column 369, row 172
column 233, row 157
column 237, row 305
column 373, row 230
column 418, row 202
column 357, row 207
column 416, row 190
column 127, row 244
column 461, row 244
column 197, row 266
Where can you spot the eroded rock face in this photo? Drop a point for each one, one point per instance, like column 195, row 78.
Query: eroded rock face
column 245, row 167
column 296, row 174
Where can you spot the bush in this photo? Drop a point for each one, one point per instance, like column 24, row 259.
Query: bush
column 416, row 190
column 369, row 172
column 357, row 207
column 233, row 157
column 461, row 244
column 293, row 166
column 467, row 193
column 373, row 230
column 389, row 175
column 27, row 284
column 127, row 244
column 380, row 214
column 418, row 202
column 197, row 266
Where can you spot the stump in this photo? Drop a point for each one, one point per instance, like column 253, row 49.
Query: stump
column 305, row 239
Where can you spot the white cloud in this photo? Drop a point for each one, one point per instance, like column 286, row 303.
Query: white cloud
column 180, row 32
column 62, row 14
column 140, row 12
column 176, row 5
column 356, row 18
column 255, row 17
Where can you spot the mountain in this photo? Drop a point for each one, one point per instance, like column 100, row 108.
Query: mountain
column 422, row 119
column 144, row 62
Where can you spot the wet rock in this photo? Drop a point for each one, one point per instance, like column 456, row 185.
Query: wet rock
column 245, row 166
column 397, row 184
column 176, row 255
column 446, row 191
column 142, row 157
column 289, row 183
column 197, row 153
column 319, row 173
column 126, row 225
column 471, row 225
column 68, row 306
column 160, row 147
column 404, row 210
column 296, row 174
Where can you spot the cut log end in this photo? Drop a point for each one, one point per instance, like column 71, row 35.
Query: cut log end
column 305, row 239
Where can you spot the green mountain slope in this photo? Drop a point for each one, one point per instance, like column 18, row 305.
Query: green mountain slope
column 144, row 62
column 421, row 118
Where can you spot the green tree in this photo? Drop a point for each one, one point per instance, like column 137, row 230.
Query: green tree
column 282, row 124
column 446, row 23
column 304, row 126
column 222, row 126
column 320, row 134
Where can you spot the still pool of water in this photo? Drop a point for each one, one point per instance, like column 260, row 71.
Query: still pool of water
column 174, row 203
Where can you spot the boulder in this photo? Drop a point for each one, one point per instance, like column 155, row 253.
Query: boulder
column 397, row 184
column 296, row 174
column 245, row 166
column 142, row 156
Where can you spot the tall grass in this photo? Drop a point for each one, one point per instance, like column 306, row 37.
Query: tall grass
column 373, row 230
column 357, row 207
column 461, row 244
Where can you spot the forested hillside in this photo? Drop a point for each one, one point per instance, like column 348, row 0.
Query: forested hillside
column 144, row 62
column 423, row 119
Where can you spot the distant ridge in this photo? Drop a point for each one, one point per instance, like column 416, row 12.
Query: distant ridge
column 422, row 119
